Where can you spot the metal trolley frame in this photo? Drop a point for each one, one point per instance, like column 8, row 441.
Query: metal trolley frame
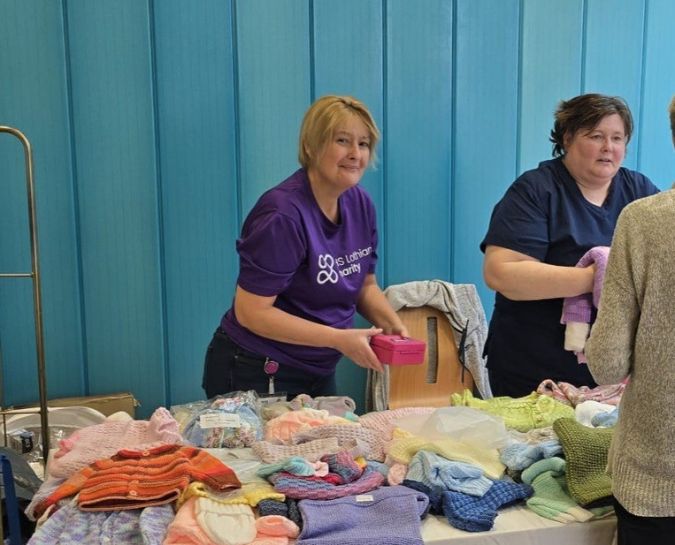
column 34, row 275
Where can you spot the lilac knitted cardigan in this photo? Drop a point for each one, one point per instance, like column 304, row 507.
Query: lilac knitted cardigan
column 390, row 514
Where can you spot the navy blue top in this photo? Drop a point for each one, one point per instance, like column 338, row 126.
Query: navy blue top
column 544, row 215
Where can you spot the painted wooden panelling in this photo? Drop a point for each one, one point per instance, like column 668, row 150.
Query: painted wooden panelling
column 550, row 71
column 655, row 153
column 347, row 60
column 118, row 202
column 612, row 70
column 273, row 53
column 34, row 98
column 486, row 110
column 418, row 91
column 198, row 178
column 156, row 125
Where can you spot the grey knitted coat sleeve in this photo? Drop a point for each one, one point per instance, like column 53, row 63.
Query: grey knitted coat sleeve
column 634, row 336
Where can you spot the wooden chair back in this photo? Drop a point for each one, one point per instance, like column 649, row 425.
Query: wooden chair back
column 431, row 383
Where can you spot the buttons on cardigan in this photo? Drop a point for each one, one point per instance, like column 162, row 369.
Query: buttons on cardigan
column 133, row 493
column 146, row 453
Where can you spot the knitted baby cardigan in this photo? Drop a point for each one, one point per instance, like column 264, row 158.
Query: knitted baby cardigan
column 390, row 514
column 103, row 440
column 520, row 413
column 133, row 479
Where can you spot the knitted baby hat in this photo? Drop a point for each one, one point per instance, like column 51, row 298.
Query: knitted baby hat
column 185, row 529
column 387, row 515
column 225, row 524
column 276, row 525
column 551, row 499
column 586, row 454
column 475, row 514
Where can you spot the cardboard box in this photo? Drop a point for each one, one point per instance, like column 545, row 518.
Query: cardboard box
column 397, row 350
column 106, row 404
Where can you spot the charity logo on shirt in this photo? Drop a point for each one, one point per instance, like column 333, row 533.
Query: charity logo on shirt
column 334, row 267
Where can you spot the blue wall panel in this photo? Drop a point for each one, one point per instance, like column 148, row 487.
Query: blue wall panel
column 611, row 70
column 116, row 173
column 273, row 54
column 347, row 60
column 655, row 154
column 197, row 142
column 33, row 98
column 551, row 67
column 418, row 90
column 156, row 125
column 486, row 103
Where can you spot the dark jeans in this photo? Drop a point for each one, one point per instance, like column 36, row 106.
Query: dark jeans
column 635, row 530
column 228, row 368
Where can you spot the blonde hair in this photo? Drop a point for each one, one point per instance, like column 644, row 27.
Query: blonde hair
column 321, row 120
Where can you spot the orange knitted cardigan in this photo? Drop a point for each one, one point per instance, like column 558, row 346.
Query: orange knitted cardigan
column 133, row 479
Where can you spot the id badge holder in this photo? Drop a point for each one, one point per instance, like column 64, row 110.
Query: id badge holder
column 271, row 367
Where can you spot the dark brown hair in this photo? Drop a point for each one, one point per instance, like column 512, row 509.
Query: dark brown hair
column 671, row 111
column 584, row 112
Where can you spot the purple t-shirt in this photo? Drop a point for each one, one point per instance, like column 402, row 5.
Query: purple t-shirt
column 316, row 268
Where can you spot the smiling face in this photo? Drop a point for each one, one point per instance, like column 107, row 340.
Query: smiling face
column 341, row 163
column 593, row 157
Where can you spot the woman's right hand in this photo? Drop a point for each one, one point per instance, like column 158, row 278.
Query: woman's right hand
column 355, row 345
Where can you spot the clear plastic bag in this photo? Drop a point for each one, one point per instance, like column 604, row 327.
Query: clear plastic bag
column 231, row 420
column 463, row 424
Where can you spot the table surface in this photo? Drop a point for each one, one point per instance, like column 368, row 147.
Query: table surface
column 518, row 525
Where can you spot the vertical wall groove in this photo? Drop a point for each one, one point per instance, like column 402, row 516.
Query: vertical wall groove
column 641, row 107
column 312, row 51
column 76, row 198
column 235, row 93
column 383, row 240
column 519, row 90
column 584, row 45
column 160, row 202
column 452, row 194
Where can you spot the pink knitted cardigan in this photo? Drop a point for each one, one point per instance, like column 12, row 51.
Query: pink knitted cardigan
column 100, row 441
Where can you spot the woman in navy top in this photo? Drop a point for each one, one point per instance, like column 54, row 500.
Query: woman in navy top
column 546, row 221
column 307, row 255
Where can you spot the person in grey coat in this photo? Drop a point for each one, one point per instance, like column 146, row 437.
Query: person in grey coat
column 634, row 336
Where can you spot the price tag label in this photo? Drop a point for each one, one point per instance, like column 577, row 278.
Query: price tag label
column 362, row 498
column 219, row 420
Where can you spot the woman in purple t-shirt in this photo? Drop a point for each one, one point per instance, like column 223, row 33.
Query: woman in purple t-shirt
column 307, row 253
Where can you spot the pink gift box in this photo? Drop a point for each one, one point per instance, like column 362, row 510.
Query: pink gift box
column 397, row 350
